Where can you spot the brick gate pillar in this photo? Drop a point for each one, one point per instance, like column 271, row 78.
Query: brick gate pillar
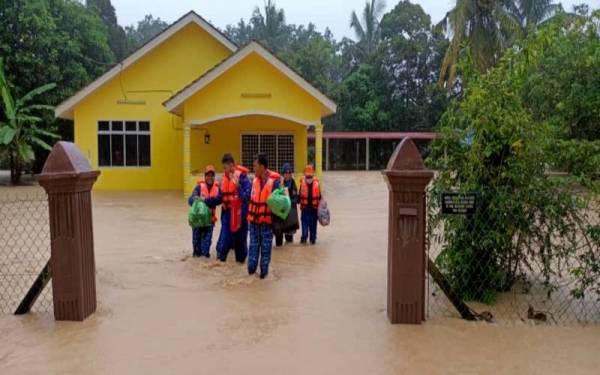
column 407, row 180
column 68, row 178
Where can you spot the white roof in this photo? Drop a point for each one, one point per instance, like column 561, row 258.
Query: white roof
column 175, row 103
column 65, row 109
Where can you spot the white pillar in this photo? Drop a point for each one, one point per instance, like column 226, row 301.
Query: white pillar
column 367, row 155
column 327, row 154
column 319, row 149
column 357, row 154
column 187, row 157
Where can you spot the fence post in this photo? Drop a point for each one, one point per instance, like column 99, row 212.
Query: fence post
column 407, row 180
column 68, row 178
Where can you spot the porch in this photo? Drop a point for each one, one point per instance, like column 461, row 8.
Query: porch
column 284, row 139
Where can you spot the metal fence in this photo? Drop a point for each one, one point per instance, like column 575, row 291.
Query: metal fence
column 24, row 249
column 519, row 268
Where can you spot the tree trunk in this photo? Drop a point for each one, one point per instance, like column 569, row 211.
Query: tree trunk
column 12, row 167
column 16, row 168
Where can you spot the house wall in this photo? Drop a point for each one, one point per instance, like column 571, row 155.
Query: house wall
column 166, row 69
column 228, row 94
column 225, row 137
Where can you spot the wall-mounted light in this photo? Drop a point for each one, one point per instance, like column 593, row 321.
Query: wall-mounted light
column 207, row 138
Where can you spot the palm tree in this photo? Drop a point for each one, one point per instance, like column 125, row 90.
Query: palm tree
column 485, row 26
column 270, row 27
column 530, row 13
column 488, row 27
column 18, row 130
column 367, row 29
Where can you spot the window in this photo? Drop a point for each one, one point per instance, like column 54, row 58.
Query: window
column 123, row 143
column 278, row 147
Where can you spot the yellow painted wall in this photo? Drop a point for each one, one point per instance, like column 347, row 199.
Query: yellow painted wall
column 171, row 66
column 225, row 136
column 253, row 75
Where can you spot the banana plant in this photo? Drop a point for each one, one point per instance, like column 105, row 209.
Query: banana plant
column 19, row 126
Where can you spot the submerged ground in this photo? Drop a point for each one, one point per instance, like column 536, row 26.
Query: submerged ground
column 322, row 311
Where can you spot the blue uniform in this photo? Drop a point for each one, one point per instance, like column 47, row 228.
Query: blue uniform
column 202, row 237
column 238, row 240
column 261, row 243
column 309, row 224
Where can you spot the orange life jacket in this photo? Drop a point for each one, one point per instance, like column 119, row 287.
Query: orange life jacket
column 229, row 189
column 258, row 211
column 316, row 194
column 213, row 193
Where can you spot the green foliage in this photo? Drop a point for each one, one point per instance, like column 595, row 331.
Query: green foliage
column 117, row 39
column 52, row 41
column 19, row 132
column 562, row 79
column 367, row 27
column 487, row 28
column 145, row 30
column 496, row 143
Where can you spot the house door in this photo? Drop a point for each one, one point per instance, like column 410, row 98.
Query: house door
column 278, row 147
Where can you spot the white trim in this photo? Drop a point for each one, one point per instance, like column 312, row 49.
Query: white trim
column 175, row 103
column 65, row 109
column 197, row 123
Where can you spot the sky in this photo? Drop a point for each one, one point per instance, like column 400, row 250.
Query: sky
column 334, row 14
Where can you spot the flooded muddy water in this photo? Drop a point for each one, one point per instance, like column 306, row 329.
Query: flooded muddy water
column 321, row 310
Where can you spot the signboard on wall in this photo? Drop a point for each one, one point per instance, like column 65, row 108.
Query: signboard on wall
column 459, row 203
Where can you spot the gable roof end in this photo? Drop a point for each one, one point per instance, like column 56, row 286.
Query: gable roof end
column 65, row 109
column 175, row 103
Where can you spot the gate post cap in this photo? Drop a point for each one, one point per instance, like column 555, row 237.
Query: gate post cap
column 65, row 157
column 406, row 157
column 66, row 163
column 406, row 164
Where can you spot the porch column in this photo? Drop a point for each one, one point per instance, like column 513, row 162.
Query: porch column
column 327, row 163
column 319, row 149
column 187, row 157
column 367, row 156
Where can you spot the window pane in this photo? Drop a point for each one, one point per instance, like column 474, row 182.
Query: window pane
column 131, row 148
column 249, row 149
column 131, row 126
column 117, row 150
column 104, row 150
column 144, row 150
column 268, row 145
column 117, row 125
column 144, row 126
column 285, row 150
column 103, row 126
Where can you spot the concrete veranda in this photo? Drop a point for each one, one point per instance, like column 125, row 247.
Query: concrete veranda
column 321, row 311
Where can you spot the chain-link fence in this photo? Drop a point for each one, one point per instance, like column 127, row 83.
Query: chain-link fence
column 514, row 258
column 24, row 249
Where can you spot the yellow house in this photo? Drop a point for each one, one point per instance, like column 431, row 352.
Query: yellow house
column 184, row 99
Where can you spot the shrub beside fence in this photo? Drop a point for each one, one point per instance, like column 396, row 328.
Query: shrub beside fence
column 24, row 249
column 517, row 266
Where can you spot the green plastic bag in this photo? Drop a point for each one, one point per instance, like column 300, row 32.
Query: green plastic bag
column 280, row 203
column 199, row 215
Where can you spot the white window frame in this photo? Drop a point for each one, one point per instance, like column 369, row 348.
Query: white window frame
column 124, row 132
column 276, row 134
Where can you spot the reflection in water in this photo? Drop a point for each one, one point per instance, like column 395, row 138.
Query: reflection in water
column 320, row 311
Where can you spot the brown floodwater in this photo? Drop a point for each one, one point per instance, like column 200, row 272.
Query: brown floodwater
column 321, row 311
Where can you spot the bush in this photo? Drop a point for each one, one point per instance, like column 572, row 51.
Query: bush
column 492, row 145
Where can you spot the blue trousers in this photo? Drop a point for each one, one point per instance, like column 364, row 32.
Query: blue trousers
column 261, row 242
column 201, row 240
column 309, row 224
column 237, row 241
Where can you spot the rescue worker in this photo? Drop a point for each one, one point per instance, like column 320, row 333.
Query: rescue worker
column 259, row 216
column 235, row 185
column 310, row 198
column 290, row 184
column 208, row 191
